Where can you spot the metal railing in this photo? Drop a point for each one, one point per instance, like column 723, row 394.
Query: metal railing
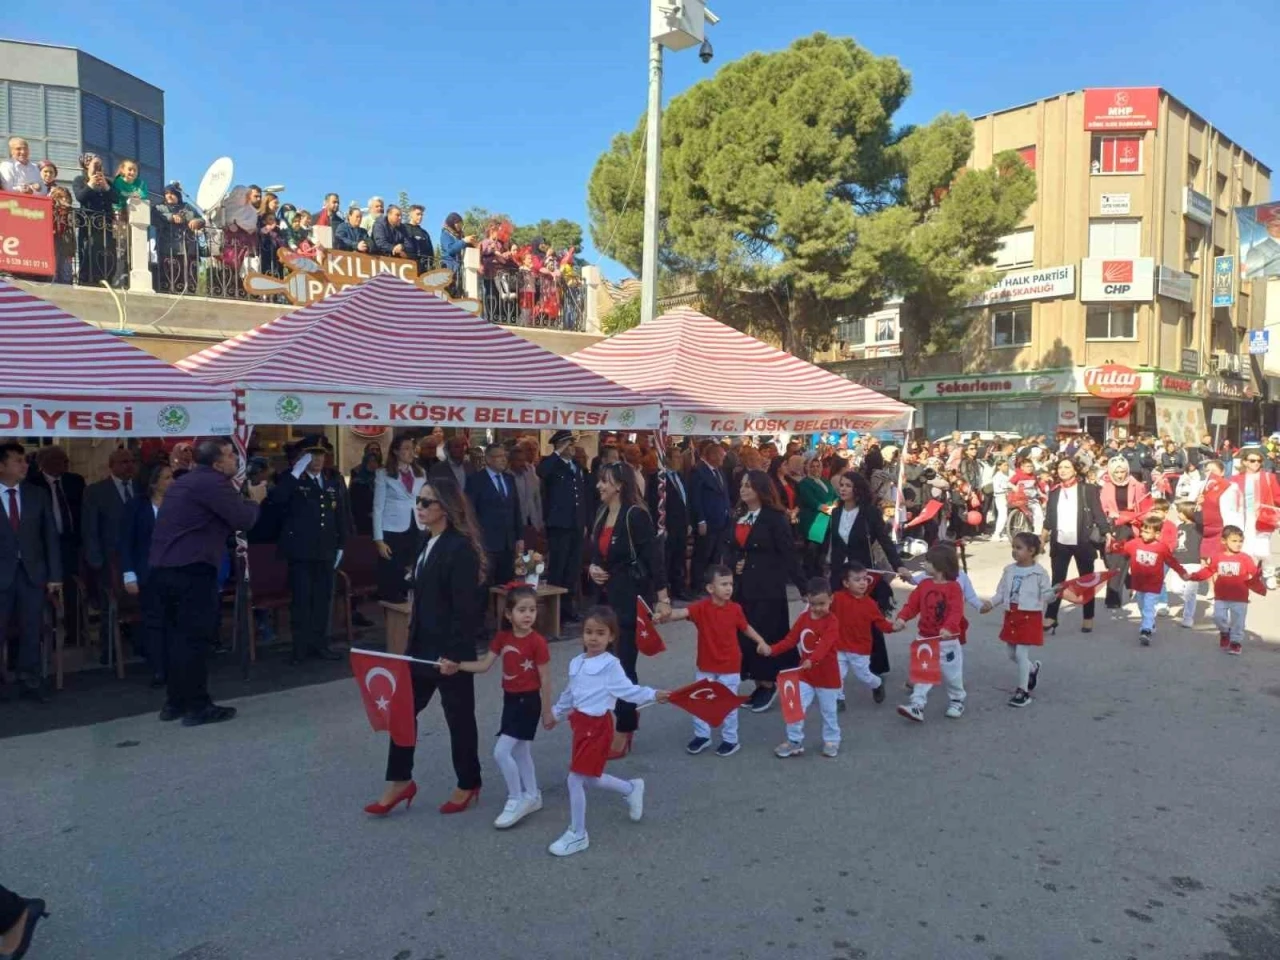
column 91, row 248
column 522, row 298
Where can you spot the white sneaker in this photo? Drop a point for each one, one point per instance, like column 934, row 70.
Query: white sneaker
column 512, row 813
column 831, row 750
column 635, row 800
column 911, row 712
column 569, row 844
column 534, row 802
column 955, row 710
column 1162, row 610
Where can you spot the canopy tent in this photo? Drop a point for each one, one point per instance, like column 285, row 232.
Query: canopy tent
column 712, row 379
column 63, row 377
column 388, row 353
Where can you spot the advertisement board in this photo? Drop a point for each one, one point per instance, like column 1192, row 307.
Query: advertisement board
column 1122, row 108
column 1179, row 420
column 26, row 235
column 1117, row 279
column 1259, row 241
column 1039, row 284
column 1224, row 281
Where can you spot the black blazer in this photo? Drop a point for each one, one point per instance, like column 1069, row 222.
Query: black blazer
column 868, row 527
column 708, row 498
column 634, row 529
column 315, row 523
column 34, row 547
column 448, row 600
column 137, row 526
column 73, row 490
column 677, row 507
column 1089, row 502
column 499, row 516
column 770, row 555
column 564, row 494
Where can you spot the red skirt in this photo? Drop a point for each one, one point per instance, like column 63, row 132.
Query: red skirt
column 592, row 738
column 1023, row 628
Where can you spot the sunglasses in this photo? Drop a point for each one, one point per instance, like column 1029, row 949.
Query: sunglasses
column 1252, row 459
column 425, row 502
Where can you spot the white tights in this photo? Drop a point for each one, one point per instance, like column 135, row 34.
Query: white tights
column 578, row 796
column 1020, row 654
column 515, row 760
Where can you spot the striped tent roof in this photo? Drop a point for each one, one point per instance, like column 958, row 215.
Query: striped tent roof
column 693, row 364
column 49, row 353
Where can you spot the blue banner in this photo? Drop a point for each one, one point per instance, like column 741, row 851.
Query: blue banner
column 1224, row 281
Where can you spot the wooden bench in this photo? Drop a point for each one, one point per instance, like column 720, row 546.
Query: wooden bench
column 548, row 622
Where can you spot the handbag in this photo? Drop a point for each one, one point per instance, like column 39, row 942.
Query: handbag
column 635, row 567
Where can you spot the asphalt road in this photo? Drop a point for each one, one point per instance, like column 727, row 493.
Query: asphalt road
column 1130, row 812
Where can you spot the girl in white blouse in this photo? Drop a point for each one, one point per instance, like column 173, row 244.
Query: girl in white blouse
column 596, row 682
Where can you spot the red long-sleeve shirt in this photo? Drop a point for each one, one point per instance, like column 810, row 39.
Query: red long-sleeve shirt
column 857, row 615
column 940, row 606
column 1147, row 563
column 1237, row 574
column 816, row 639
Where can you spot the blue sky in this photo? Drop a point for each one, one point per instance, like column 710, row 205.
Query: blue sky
column 507, row 104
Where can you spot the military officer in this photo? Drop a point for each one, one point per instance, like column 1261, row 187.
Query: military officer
column 564, row 503
column 314, row 530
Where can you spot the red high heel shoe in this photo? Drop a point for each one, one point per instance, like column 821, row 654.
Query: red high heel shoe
column 626, row 748
column 472, row 799
column 406, row 796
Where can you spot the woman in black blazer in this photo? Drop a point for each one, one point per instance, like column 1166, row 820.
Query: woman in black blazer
column 1075, row 526
column 625, row 561
column 447, row 618
column 856, row 523
column 137, row 525
column 761, row 551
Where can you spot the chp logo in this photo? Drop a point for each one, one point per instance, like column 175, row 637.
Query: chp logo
column 1113, row 381
column 289, row 408
column 173, row 418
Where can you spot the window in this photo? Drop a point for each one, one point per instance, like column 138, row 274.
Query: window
column 95, row 122
column 1116, row 154
column 1246, row 197
column 1224, row 201
column 1107, row 322
column 886, row 330
column 1017, row 249
column 852, row 331
column 1115, row 238
column 1192, row 250
column 26, row 111
column 1193, row 171
column 1188, row 330
column 1028, row 155
column 1012, row 327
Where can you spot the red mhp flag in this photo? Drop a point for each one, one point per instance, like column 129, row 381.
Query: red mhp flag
column 1083, row 589
column 707, row 700
column 930, row 511
column 925, row 666
column 387, row 691
column 789, row 692
column 648, row 640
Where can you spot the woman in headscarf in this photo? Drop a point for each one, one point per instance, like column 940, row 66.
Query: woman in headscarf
column 1120, row 492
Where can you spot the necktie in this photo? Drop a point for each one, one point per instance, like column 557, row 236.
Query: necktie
column 501, row 484
column 126, row 492
column 15, row 520
column 64, row 509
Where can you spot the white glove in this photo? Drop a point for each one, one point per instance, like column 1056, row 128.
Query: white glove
column 300, row 467
column 338, row 562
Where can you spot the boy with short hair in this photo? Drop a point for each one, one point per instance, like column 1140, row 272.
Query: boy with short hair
column 1149, row 556
column 858, row 612
column 1234, row 574
column 1189, row 536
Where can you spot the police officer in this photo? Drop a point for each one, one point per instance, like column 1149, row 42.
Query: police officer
column 564, row 503
column 314, row 530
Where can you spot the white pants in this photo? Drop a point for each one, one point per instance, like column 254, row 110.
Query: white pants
column 1037, row 516
column 952, row 655
column 860, row 664
column 729, row 730
column 1229, row 616
column 827, row 699
column 1002, row 516
column 1020, row 653
column 515, row 761
column 1188, row 590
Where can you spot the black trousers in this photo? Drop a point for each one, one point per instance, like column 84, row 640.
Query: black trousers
column 626, row 720
column 71, row 598
column 392, row 586
column 564, row 564
column 153, row 628
column 706, row 551
column 458, row 698
column 1060, row 558
column 677, row 574
column 11, row 908
column 311, row 604
column 501, row 566
column 24, row 600
column 188, row 599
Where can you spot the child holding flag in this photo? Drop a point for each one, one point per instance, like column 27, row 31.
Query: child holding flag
column 1149, row 556
column 858, row 612
column 939, row 603
column 1025, row 588
column 1234, row 574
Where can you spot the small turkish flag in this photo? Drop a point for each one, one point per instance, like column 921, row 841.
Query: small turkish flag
column 789, row 690
column 930, row 511
column 1120, row 409
column 1137, row 513
column 648, row 640
column 708, row 700
column 387, row 691
column 925, row 666
column 1083, row 589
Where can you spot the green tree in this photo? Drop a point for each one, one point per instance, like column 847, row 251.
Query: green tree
column 791, row 198
column 403, row 201
column 561, row 234
column 622, row 317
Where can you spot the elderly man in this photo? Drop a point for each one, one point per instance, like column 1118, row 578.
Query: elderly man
column 419, row 246
column 349, row 235
column 390, row 239
column 103, row 503
column 328, row 216
column 456, row 467
column 18, row 174
column 529, row 492
column 66, row 495
column 377, row 207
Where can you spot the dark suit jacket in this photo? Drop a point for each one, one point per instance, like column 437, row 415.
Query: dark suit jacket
column 137, row 526
column 448, row 601
column 1088, row 503
column 677, row 507
column 634, row 531
column 499, row 515
column 441, row 468
column 34, row 547
column 73, row 490
column 564, row 494
column 315, row 524
column 868, row 528
column 771, row 558
column 708, row 498
column 101, row 514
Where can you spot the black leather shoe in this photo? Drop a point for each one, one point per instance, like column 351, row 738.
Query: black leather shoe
column 210, row 714
column 35, row 913
column 169, row 712
column 324, row 653
column 35, row 693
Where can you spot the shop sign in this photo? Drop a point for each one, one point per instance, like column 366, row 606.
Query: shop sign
column 113, row 418
column 1122, row 108
column 26, row 234
column 1068, row 413
column 1114, row 205
column 1259, row 342
column 1108, row 279
column 1168, row 383
column 1224, row 281
column 1112, row 381
column 1174, row 284
column 1181, row 421
column 1230, row 389
column 988, row 386
column 1039, row 284
column 884, row 380
column 1190, row 361
column 1196, row 206
column 307, row 280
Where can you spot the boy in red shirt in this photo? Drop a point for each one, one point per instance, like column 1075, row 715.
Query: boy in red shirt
column 1149, row 556
column 719, row 621
column 1234, row 574
column 816, row 632
column 939, row 603
column 858, row 612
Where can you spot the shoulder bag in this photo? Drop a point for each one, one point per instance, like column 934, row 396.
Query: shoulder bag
column 639, row 572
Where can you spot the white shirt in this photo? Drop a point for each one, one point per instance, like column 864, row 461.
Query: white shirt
column 15, row 175
column 1069, row 515
column 1024, row 588
column 1001, row 484
column 596, row 684
column 676, row 479
column 393, row 504
column 847, row 517
column 4, row 498
column 966, row 587
column 750, row 518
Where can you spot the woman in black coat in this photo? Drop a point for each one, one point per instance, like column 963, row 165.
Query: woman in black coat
column 762, row 553
column 1075, row 526
column 625, row 561
column 856, row 523
column 95, row 220
column 445, row 625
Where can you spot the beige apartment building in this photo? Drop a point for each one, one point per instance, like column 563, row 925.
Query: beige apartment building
column 1113, row 267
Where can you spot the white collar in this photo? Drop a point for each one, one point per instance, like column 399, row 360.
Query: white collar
column 591, row 665
column 750, row 518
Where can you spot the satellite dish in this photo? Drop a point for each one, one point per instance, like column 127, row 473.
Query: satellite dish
column 214, row 184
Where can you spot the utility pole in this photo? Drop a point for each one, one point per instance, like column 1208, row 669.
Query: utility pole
column 653, row 169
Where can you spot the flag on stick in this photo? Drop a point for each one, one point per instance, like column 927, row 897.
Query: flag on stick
column 648, row 640
column 708, row 700
column 387, row 691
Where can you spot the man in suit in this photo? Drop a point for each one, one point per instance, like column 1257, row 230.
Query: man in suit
column 103, row 503
column 529, row 492
column 709, row 508
column 565, row 505
column 456, row 466
column 30, row 563
column 493, row 495
column 66, row 493
column 677, row 515
column 315, row 525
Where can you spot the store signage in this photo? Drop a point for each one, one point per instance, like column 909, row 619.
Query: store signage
column 1190, row 361
column 1224, row 281
column 1167, row 383
column 884, row 380
column 1018, row 285
column 1231, row 389
column 1174, row 284
column 1115, row 279
column 1112, row 381
column 1196, row 206
column 308, row 280
column 1181, row 421
column 113, row 418
column 1259, row 342
column 988, row 386
column 1122, row 108
column 1114, row 205
column 26, row 235
column 1068, row 413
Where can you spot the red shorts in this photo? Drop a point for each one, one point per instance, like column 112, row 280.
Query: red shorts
column 1023, row 628
column 592, row 738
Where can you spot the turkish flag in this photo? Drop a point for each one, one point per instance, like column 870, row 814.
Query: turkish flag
column 925, row 667
column 1083, row 589
column 930, row 511
column 789, row 690
column 1137, row 513
column 387, row 691
column 708, row 700
column 648, row 640
column 1120, row 409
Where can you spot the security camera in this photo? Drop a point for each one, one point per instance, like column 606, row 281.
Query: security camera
column 705, row 53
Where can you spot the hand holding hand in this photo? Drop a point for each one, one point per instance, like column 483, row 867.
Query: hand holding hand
column 899, row 624
column 986, row 607
column 447, row 667
column 661, row 696
column 762, row 648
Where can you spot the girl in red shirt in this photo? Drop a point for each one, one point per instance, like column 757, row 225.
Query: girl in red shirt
column 939, row 603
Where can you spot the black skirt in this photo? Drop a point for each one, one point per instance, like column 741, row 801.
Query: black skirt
column 520, row 714
column 392, row 585
column 771, row 618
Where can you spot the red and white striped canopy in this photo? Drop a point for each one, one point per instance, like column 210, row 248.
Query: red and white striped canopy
column 62, row 377
column 712, row 379
column 385, row 352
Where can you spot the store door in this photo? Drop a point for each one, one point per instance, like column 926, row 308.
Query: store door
column 1095, row 425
